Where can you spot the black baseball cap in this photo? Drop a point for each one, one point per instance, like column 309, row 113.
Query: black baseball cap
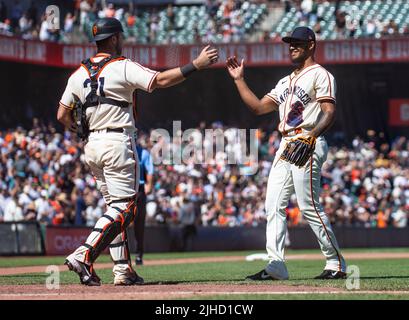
column 300, row 34
column 106, row 27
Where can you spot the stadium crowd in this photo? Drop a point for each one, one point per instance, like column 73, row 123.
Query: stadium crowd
column 43, row 177
column 347, row 23
column 225, row 18
column 225, row 22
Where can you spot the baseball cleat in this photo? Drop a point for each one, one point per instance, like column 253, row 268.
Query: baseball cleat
column 331, row 274
column 259, row 276
column 128, row 279
column 86, row 273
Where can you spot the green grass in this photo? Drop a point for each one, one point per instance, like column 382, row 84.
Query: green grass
column 11, row 262
column 375, row 275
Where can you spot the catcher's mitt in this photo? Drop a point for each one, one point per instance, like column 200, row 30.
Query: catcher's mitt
column 299, row 150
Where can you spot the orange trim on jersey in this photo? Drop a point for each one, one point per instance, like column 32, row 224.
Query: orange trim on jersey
column 65, row 106
column 151, row 82
column 276, row 101
column 319, row 217
column 326, row 98
column 86, row 69
column 99, row 55
column 113, row 60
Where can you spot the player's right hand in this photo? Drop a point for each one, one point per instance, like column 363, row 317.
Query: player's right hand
column 236, row 70
column 207, row 57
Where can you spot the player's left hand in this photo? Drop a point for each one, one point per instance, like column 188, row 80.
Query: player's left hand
column 299, row 150
column 207, row 57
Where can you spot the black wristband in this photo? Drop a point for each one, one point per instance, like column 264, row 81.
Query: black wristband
column 188, row 69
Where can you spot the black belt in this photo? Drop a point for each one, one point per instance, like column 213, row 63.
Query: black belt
column 110, row 130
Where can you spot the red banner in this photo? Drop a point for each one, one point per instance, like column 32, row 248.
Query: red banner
column 399, row 112
column 64, row 240
column 255, row 54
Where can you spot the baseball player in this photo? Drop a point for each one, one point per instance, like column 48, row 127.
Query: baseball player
column 98, row 103
column 305, row 100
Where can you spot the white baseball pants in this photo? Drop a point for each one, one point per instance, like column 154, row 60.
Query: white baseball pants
column 114, row 162
column 283, row 181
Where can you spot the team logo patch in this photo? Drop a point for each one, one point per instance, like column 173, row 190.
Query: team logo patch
column 94, row 30
column 295, row 115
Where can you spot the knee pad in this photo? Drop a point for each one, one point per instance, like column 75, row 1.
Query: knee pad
column 128, row 214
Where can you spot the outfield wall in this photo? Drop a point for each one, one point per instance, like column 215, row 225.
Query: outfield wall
column 170, row 238
column 29, row 239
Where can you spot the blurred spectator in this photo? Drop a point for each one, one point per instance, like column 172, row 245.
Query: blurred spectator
column 5, row 28
column 171, row 16
column 69, row 23
column 12, row 211
column 307, row 7
column 400, row 216
column 370, row 28
column 318, row 30
column 340, row 23
column 16, row 14
column 153, row 27
column 86, row 7
column 25, row 23
column 391, row 28
column 44, row 32
column 187, row 220
column 109, row 10
column 352, row 26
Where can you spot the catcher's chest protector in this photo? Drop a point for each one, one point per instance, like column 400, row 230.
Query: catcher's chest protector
column 94, row 69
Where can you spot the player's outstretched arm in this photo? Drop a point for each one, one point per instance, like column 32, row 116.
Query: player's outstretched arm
column 258, row 106
column 171, row 77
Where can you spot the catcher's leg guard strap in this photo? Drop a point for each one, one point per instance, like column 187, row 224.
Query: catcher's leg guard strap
column 107, row 234
column 120, row 254
column 128, row 214
column 107, row 228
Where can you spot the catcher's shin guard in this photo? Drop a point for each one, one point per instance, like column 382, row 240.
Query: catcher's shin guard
column 119, row 249
column 107, row 228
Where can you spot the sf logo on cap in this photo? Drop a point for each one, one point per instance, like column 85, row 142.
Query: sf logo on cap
column 94, row 30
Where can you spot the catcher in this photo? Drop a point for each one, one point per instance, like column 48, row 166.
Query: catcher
column 305, row 100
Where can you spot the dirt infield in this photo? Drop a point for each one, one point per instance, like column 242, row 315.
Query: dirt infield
column 147, row 292
column 170, row 291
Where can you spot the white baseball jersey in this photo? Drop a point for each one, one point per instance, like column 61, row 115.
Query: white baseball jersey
column 117, row 80
column 298, row 97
